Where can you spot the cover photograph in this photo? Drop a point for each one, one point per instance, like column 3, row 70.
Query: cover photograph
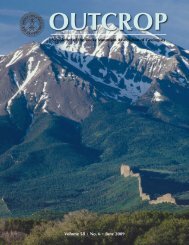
column 94, row 122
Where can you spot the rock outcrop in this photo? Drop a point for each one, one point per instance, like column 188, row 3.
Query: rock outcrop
column 126, row 172
column 167, row 198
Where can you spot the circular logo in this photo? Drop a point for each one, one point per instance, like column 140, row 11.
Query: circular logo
column 31, row 24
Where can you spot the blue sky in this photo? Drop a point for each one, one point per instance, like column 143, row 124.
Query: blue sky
column 177, row 27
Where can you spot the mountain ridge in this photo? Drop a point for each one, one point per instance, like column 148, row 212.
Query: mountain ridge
column 128, row 77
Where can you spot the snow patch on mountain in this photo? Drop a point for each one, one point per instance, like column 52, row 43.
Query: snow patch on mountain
column 133, row 89
column 15, row 80
column 44, row 99
column 17, row 55
column 87, row 64
column 186, row 63
column 154, row 62
column 31, row 72
column 33, row 49
column 2, row 58
column 157, row 97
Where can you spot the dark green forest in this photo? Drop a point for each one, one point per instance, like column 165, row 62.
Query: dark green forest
column 84, row 227
column 65, row 166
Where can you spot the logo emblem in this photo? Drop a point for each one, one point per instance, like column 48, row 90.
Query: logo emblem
column 31, row 24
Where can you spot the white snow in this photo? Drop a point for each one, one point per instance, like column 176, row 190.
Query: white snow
column 33, row 49
column 44, row 87
column 185, row 62
column 44, row 107
column 16, row 81
column 92, row 107
column 17, row 55
column 2, row 58
column 157, row 97
column 30, row 73
column 152, row 62
column 169, row 44
column 44, row 97
column 134, row 89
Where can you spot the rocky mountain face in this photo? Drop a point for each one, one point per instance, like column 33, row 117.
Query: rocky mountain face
column 66, row 73
column 76, row 106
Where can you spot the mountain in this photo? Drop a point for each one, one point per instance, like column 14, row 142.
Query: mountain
column 76, row 106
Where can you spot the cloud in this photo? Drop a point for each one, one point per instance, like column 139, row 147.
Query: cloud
column 7, row 28
column 11, row 12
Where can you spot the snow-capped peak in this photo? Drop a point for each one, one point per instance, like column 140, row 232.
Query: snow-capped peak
column 88, row 50
column 92, row 64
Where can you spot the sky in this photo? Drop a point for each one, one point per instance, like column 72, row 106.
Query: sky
column 11, row 38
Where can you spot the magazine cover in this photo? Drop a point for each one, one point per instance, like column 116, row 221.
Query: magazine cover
column 94, row 122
